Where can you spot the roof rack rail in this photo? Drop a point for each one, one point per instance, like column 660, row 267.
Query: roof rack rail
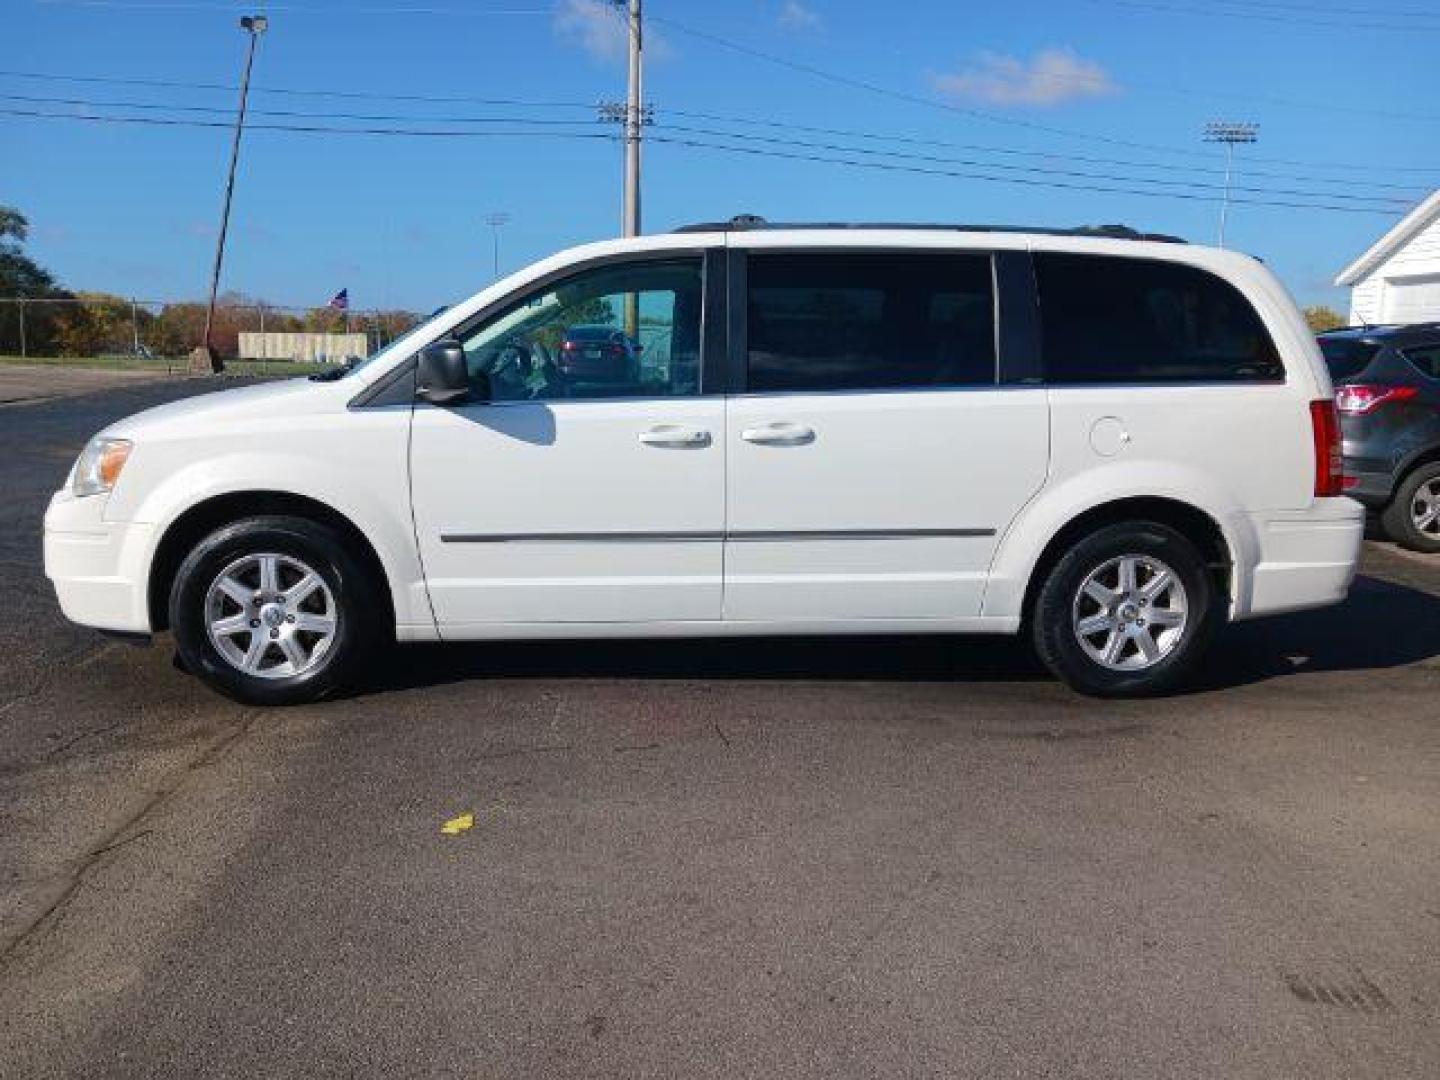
column 753, row 222
column 1386, row 328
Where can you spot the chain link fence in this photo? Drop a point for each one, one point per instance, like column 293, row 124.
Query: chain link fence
column 129, row 332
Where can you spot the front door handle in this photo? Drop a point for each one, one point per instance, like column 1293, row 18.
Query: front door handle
column 780, row 433
column 675, row 435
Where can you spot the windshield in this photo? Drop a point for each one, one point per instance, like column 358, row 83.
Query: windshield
column 1346, row 357
column 400, row 344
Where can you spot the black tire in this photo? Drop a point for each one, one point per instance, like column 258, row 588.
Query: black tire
column 354, row 597
column 1054, row 612
column 1398, row 518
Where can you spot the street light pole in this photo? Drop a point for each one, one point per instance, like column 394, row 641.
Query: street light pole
column 1229, row 134
column 254, row 25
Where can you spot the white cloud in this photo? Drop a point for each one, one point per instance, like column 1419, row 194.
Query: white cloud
column 797, row 16
column 601, row 29
column 1050, row 77
column 594, row 26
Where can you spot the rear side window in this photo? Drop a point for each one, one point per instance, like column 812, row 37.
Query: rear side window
column 1347, row 358
column 844, row 321
column 1426, row 358
column 1115, row 320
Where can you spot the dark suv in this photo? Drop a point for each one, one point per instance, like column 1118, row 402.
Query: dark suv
column 1387, row 389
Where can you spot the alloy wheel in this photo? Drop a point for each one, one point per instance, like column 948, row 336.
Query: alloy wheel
column 1425, row 508
column 271, row 616
column 1130, row 612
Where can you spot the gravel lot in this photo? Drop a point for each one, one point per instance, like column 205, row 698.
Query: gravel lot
column 716, row 859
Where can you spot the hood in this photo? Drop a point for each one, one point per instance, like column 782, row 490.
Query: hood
column 288, row 397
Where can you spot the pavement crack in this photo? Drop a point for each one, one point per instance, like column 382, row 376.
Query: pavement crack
column 521, row 751
column 82, row 736
column 120, row 843
column 121, row 835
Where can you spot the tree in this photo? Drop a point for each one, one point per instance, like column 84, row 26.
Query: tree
column 98, row 323
column 14, row 225
column 1321, row 318
column 19, row 274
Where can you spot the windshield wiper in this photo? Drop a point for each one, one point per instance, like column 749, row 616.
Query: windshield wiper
column 337, row 372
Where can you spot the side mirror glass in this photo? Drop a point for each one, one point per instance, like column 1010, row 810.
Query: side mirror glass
column 441, row 377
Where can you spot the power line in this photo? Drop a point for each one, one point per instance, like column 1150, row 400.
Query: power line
column 932, row 159
column 304, row 129
column 916, row 99
column 1390, row 200
column 913, row 99
column 1288, row 19
column 1316, row 9
column 1410, row 189
column 170, row 84
column 292, row 113
column 886, row 166
column 433, row 99
column 294, row 9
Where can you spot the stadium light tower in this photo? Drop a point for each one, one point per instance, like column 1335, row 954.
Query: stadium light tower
column 497, row 220
column 1229, row 134
column 254, row 25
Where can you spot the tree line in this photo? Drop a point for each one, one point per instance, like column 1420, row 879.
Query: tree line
column 59, row 322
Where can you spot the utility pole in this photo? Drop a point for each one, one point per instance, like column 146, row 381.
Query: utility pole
column 1229, row 134
column 254, row 25
column 496, row 220
column 634, row 123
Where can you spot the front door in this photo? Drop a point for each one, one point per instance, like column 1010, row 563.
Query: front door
column 874, row 459
column 588, row 486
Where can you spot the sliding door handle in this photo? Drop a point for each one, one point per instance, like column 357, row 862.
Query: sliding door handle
column 780, row 433
column 675, row 435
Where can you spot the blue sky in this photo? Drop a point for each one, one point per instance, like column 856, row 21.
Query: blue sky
column 1345, row 93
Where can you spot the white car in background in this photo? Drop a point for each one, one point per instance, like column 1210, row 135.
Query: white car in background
column 1114, row 443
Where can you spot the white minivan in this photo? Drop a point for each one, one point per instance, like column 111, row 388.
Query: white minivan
column 1112, row 442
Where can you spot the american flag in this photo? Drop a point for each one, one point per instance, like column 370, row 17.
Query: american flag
column 341, row 300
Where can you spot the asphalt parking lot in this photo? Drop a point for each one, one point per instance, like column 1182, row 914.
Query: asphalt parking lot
column 854, row 857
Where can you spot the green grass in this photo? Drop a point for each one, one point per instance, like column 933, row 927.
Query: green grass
column 171, row 365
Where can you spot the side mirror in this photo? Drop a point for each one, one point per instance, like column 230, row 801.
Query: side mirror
column 441, row 377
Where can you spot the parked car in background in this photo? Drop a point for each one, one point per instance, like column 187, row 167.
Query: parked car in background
column 1111, row 443
column 599, row 354
column 1387, row 382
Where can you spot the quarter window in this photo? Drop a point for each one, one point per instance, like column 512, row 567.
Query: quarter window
column 1426, row 358
column 869, row 322
column 621, row 330
column 1111, row 319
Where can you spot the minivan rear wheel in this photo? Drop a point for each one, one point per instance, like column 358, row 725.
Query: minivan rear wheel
column 1412, row 519
column 1128, row 611
column 274, row 610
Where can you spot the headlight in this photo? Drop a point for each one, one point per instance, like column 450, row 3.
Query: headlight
column 99, row 465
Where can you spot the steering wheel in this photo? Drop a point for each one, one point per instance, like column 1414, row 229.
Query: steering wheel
column 509, row 368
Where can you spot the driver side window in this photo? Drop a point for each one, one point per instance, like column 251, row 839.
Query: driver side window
column 622, row 330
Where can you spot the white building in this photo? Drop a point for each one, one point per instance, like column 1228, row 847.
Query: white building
column 313, row 348
column 1398, row 279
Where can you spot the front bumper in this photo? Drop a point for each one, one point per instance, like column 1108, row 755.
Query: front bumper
column 97, row 566
column 1302, row 559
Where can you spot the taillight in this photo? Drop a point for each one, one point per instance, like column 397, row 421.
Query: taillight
column 1329, row 470
column 569, row 346
column 1357, row 399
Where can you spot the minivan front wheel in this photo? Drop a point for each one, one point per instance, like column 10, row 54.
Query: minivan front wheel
column 1126, row 612
column 273, row 610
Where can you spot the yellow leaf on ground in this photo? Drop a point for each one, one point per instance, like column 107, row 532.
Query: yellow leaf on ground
column 456, row 825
